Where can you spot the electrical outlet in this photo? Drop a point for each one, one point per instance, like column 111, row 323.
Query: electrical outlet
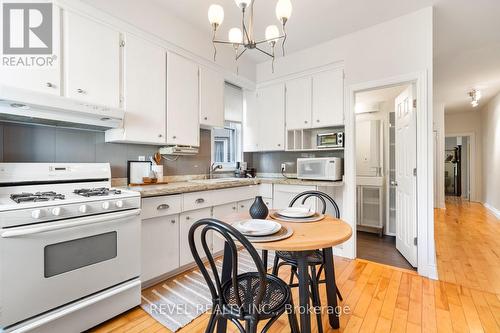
column 283, row 167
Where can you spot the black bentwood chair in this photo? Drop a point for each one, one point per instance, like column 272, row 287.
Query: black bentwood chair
column 316, row 258
column 249, row 297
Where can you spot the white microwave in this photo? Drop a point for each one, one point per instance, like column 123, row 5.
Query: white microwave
column 320, row 168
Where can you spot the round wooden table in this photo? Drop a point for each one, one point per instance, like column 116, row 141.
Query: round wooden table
column 307, row 237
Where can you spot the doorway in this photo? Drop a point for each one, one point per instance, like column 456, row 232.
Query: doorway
column 385, row 120
column 457, row 167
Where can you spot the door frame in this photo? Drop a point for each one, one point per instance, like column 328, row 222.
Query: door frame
column 425, row 214
column 473, row 196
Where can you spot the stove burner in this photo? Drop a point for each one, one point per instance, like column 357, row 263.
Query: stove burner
column 94, row 192
column 36, row 197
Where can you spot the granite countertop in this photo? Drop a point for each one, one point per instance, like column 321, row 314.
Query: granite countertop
column 197, row 185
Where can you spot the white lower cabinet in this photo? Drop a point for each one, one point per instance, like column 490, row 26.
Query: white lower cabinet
column 187, row 219
column 283, row 195
column 160, row 246
column 220, row 213
column 244, row 206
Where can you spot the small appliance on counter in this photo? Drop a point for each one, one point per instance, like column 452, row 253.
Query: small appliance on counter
column 330, row 140
column 243, row 172
column 320, row 168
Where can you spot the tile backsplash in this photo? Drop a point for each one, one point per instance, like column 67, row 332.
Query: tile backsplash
column 35, row 143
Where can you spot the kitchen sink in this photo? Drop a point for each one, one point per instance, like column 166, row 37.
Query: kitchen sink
column 216, row 180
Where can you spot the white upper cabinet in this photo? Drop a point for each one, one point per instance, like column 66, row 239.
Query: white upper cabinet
column 211, row 98
column 298, row 103
column 251, row 116
column 328, row 98
column 144, row 87
column 44, row 78
column 182, row 101
column 91, row 61
column 271, row 103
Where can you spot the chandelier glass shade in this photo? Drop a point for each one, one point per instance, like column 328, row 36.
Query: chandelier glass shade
column 243, row 38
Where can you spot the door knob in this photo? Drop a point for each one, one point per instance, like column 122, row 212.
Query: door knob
column 80, row 91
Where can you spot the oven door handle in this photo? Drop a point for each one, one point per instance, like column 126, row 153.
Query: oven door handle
column 24, row 231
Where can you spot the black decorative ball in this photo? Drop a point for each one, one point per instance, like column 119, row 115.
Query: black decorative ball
column 259, row 210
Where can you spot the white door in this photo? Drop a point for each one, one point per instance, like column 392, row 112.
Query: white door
column 160, row 246
column 187, row 219
column 328, row 98
column 211, row 98
column 271, row 101
column 221, row 213
column 145, row 77
column 251, row 116
column 406, row 181
column 44, row 79
column 183, row 125
column 298, row 103
column 92, row 61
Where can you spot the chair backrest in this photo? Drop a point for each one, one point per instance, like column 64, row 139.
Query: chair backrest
column 321, row 196
column 230, row 234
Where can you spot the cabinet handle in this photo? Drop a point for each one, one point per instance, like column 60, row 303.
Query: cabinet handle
column 279, row 144
column 206, row 118
column 160, row 135
column 305, row 121
column 188, row 218
column 163, row 207
column 234, row 207
column 242, row 206
column 174, row 137
column 172, row 221
column 200, row 200
column 80, row 91
column 48, row 84
column 317, row 120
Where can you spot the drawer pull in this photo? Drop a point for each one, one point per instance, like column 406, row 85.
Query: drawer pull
column 163, row 207
column 172, row 221
column 188, row 218
column 200, row 201
column 234, row 207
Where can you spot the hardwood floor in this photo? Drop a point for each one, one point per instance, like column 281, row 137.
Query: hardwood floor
column 389, row 299
column 383, row 250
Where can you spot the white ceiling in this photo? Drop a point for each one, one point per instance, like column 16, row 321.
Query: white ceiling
column 466, row 37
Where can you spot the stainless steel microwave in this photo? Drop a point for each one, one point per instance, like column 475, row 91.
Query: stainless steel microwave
column 330, row 140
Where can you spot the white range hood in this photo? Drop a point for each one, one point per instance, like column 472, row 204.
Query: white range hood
column 21, row 105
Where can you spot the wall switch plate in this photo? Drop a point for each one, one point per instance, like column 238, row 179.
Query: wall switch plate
column 283, row 167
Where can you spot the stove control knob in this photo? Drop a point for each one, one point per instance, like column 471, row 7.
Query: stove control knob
column 105, row 205
column 56, row 211
column 36, row 214
column 82, row 209
column 119, row 204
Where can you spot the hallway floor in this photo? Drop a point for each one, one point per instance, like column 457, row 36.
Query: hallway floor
column 382, row 298
column 383, row 250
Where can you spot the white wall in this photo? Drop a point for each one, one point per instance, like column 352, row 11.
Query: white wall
column 465, row 123
column 490, row 122
column 439, row 135
column 399, row 48
column 157, row 20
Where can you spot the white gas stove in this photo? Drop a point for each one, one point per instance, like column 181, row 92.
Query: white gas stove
column 70, row 246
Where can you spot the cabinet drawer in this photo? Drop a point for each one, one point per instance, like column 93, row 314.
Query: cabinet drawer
column 160, row 206
column 227, row 195
column 197, row 200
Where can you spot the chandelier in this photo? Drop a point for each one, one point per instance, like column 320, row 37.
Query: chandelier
column 475, row 96
column 244, row 38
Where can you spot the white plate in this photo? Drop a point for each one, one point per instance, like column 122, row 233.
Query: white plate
column 257, row 227
column 297, row 212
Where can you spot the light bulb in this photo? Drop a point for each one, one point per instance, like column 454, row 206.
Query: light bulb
column 478, row 95
column 243, row 3
column 235, row 35
column 283, row 10
column 474, row 104
column 215, row 14
column 272, row 33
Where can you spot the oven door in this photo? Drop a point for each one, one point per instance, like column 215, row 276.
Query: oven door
column 47, row 265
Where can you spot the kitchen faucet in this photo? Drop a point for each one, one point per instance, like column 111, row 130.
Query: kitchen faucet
column 212, row 169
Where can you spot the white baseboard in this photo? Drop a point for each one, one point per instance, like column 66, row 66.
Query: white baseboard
column 492, row 209
column 429, row 271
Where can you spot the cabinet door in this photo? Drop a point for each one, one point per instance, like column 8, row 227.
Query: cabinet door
column 251, row 116
column 244, row 205
column 183, row 126
column 283, row 195
column 211, row 98
column 144, row 91
column 44, row 79
column 92, row 61
column 298, row 103
column 160, row 246
column 328, row 98
column 271, row 102
column 187, row 219
column 220, row 213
